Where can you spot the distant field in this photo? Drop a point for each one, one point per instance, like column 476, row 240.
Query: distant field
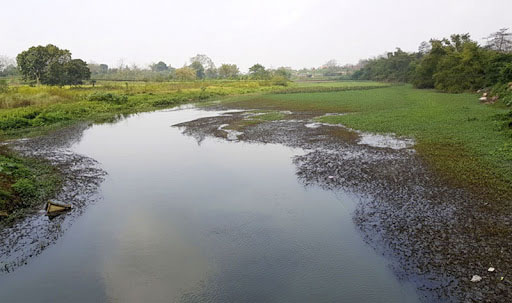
column 457, row 135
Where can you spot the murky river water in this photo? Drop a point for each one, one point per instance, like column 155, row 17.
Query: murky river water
column 217, row 221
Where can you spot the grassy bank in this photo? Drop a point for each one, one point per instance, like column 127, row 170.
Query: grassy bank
column 24, row 183
column 468, row 143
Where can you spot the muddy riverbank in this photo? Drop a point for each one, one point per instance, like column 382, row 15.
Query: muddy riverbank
column 439, row 236
column 28, row 236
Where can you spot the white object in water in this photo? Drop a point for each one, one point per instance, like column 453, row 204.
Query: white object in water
column 491, row 269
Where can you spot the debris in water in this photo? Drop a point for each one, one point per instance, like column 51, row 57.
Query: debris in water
column 55, row 208
column 491, row 269
column 331, row 177
column 476, row 278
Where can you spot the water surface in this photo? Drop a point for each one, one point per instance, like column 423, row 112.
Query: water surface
column 215, row 221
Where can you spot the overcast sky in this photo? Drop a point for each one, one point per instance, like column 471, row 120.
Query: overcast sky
column 296, row 33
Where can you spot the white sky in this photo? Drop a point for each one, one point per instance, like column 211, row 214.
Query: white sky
column 297, row 33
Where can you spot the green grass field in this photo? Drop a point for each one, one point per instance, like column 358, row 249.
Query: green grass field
column 459, row 137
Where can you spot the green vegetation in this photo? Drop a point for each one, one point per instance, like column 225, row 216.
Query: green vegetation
column 26, row 108
column 468, row 143
column 453, row 65
column 24, row 182
column 51, row 65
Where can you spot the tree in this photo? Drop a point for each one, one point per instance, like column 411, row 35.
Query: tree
column 500, row 41
column 258, row 72
column 198, row 68
column 35, row 62
column 76, row 71
column 283, row 72
column 51, row 65
column 208, row 67
column 228, row 71
column 186, row 74
column 7, row 66
column 159, row 67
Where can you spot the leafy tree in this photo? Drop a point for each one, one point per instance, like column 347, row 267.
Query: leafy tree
column 76, row 71
column 198, row 68
column 228, row 71
column 159, row 67
column 258, row 72
column 283, row 72
column 186, row 74
column 34, row 63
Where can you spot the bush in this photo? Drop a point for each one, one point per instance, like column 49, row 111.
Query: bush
column 4, row 86
column 279, row 80
column 108, row 97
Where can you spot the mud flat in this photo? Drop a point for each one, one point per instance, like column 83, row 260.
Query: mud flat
column 439, row 236
column 29, row 236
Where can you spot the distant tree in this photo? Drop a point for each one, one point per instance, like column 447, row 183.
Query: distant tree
column 205, row 61
column 283, row 72
column 186, row 74
column 159, row 67
column 198, row 68
column 500, row 41
column 103, row 68
column 35, row 62
column 7, row 66
column 209, row 69
column 51, row 65
column 228, row 71
column 258, row 71
column 424, row 48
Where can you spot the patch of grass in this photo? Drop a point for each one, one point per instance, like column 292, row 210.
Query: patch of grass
column 462, row 139
column 25, row 182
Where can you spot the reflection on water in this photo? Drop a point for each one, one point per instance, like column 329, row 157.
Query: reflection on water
column 216, row 222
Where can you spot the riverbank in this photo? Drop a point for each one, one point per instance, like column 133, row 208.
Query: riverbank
column 439, row 234
column 467, row 143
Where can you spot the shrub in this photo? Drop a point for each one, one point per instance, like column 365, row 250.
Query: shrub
column 4, row 86
column 108, row 97
column 279, row 80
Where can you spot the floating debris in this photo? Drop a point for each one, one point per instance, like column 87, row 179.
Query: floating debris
column 56, row 208
column 476, row 278
column 491, row 269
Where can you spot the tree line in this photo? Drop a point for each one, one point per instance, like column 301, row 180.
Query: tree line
column 454, row 64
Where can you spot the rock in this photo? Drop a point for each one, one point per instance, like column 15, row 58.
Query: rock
column 484, row 95
column 476, row 278
column 483, row 99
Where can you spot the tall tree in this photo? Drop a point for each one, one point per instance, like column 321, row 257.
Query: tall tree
column 258, row 71
column 500, row 41
column 198, row 68
column 159, row 67
column 228, row 71
column 35, row 62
